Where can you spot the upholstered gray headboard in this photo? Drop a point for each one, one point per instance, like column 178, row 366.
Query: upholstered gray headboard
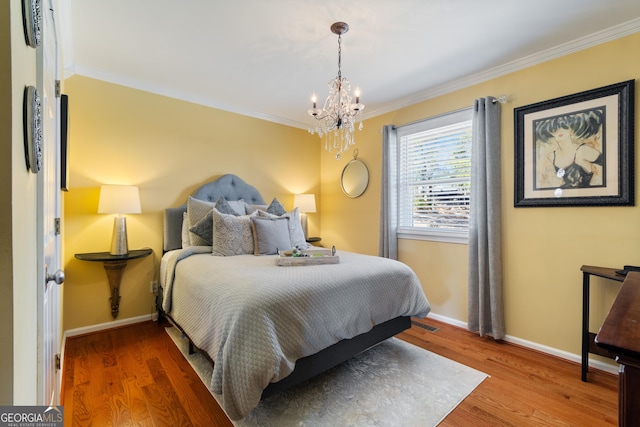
column 229, row 186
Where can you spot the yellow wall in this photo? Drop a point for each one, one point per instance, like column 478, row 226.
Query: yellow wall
column 544, row 248
column 18, row 321
column 6, row 259
column 121, row 135
column 168, row 148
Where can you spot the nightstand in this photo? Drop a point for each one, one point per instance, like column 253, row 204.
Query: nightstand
column 114, row 266
column 314, row 240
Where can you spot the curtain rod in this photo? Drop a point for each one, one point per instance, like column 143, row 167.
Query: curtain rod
column 431, row 117
column 502, row 99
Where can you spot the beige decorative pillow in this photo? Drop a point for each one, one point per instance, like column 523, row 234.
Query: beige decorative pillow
column 232, row 234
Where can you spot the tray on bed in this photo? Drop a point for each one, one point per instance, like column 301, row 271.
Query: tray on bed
column 315, row 256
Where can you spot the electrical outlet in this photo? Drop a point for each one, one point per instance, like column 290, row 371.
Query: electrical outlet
column 153, row 287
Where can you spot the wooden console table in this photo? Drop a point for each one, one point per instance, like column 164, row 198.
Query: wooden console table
column 620, row 334
column 114, row 266
column 588, row 344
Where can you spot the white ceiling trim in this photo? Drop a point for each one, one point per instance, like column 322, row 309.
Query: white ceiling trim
column 173, row 93
column 582, row 43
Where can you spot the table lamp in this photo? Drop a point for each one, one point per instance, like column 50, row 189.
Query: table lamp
column 306, row 203
column 119, row 200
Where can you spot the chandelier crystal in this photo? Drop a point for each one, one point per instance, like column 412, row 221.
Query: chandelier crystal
column 336, row 119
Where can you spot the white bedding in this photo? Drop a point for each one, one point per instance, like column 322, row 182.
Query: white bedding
column 255, row 319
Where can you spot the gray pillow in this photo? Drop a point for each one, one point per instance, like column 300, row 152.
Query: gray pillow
column 204, row 227
column 225, row 207
column 276, row 208
column 270, row 235
column 296, row 235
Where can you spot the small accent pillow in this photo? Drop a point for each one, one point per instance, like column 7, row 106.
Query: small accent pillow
column 204, row 227
column 276, row 208
column 296, row 235
column 232, row 234
column 225, row 207
column 270, row 235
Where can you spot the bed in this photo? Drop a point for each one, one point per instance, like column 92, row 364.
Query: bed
column 266, row 327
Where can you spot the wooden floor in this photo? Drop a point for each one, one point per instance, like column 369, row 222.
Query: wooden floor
column 135, row 376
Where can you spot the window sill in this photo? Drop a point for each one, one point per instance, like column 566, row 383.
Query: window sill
column 436, row 237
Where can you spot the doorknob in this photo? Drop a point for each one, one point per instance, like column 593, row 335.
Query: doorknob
column 57, row 277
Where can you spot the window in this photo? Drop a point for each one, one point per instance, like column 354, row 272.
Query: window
column 434, row 176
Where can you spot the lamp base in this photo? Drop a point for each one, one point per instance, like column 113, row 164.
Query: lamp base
column 119, row 245
column 303, row 223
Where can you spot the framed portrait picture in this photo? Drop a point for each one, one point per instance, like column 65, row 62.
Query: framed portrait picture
column 576, row 150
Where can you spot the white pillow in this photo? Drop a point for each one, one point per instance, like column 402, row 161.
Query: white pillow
column 252, row 208
column 238, row 206
column 232, row 234
column 185, row 231
column 196, row 210
column 296, row 235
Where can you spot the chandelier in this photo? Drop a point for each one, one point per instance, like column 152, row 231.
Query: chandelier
column 336, row 119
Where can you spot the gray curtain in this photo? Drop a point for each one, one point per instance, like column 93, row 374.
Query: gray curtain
column 486, row 312
column 388, row 242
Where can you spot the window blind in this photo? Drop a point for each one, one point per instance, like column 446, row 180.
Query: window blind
column 434, row 176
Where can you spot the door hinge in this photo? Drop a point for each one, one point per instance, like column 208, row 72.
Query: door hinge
column 56, row 223
column 57, row 361
column 58, row 89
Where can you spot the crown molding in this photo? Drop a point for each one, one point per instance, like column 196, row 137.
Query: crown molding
column 564, row 49
column 579, row 44
column 176, row 94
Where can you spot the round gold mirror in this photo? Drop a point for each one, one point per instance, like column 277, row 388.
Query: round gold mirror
column 355, row 177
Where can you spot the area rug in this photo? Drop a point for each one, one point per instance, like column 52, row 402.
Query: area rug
column 392, row 384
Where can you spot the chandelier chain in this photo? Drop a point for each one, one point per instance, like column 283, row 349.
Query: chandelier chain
column 336, row 120
column 340, row 57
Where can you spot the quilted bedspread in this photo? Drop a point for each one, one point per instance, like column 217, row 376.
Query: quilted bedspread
column 255, row 319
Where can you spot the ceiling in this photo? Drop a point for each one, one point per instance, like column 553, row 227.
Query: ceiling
column 264, row 58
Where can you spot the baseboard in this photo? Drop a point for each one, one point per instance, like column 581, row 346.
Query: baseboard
column 593, row 363
column 448, row 320
column 597, row 364
column 108, row 325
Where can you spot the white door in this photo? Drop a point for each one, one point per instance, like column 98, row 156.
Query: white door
column 49, row 213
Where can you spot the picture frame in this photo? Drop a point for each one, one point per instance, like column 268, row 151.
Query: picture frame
column 64, row 142
column 576, row 150
column 32, row 22
column 32, row 129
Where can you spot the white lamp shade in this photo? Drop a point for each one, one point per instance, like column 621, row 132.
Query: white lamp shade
column 305, row 202
column 119, row 199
